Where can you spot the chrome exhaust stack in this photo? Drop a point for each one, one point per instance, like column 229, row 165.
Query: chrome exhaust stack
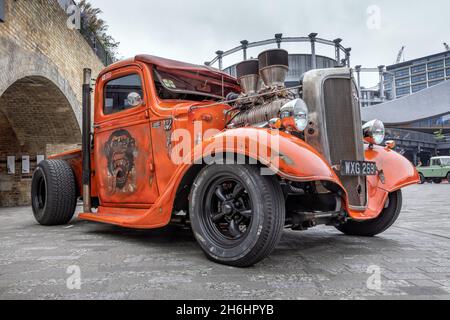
column 274, row 67
column 247, row 73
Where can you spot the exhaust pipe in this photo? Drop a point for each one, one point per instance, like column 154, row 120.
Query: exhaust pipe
column 274, row 67
column 248, row 76
column 86, row 141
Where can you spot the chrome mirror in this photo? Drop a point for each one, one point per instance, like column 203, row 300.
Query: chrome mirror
column 134, row 99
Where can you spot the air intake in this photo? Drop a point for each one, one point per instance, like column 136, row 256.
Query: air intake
column 248, row 76
column 273, row 67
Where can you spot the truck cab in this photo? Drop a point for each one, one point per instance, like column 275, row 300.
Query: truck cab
column 437, row 171
column 236, row 159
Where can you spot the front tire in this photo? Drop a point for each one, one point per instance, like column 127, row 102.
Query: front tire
column 237, row 215
column 53, row 193
column 379, row 225
column 437, row 180
column 448, row 177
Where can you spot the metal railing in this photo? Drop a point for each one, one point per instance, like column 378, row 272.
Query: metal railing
column 89, row 36
column 407, row 135
column 278, row 40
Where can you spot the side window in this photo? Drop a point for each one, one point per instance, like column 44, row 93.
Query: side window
column 122, row 93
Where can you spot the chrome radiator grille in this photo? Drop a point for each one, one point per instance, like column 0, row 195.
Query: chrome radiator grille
column 344, row 133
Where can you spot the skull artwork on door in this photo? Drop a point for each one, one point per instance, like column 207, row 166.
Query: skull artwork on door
column 120, row 150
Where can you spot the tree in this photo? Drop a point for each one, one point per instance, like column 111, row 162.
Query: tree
column 98, row 27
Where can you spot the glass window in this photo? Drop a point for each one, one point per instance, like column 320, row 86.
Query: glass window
column 403, row 91
column 448, row 72
column 421, row 78
column 418, row 69
column 402, row 82
column 117, row 91
column 389, row 94
column 436, row 162
column 433, row 83
column 442, row 56
column 436, row 65
column 420, row 61
column 435, row 74
column 190, row 86
column 402, row 73
column 419, row 87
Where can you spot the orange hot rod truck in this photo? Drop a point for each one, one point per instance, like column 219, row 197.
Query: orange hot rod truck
column 238, row 160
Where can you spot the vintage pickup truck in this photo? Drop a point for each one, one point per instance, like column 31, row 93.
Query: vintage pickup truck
column 238, row 160
column 437, row 171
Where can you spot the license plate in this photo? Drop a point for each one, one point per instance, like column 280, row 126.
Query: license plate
column 358, row 168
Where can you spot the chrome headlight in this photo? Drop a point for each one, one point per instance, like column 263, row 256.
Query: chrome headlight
column 294, row 115
column 374, row 132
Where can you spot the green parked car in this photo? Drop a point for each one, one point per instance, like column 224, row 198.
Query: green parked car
column 438, row 170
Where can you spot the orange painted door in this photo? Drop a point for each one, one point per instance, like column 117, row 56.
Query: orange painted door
column 123, row 147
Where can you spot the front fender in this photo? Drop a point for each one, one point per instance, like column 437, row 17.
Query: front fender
column 398, row 171
column 285, row 155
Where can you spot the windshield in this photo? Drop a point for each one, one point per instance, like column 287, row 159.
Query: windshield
column 182, row 85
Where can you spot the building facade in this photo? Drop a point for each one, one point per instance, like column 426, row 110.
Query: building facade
column 415, row 75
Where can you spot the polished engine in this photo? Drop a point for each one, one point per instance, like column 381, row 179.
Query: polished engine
column 264, row 93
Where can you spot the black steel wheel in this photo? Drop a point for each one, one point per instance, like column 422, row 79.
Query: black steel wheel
column 53, row 193
column 228, row 210
column 237, row 214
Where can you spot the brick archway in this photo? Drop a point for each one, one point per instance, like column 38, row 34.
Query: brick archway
column 36, row 118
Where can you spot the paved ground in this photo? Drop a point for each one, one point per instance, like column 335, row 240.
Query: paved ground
column 413, row 258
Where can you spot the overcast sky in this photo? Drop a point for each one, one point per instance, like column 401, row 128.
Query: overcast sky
column 192, row 30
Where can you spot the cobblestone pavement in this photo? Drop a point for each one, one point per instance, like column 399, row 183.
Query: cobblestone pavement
column 115, row 263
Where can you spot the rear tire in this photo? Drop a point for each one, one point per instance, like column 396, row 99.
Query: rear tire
column 376, row 226
column 448, row 177
column 437, row 180
column 53, row 193
column 237, row 215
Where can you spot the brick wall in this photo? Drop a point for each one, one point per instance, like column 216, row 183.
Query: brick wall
column 41, row 71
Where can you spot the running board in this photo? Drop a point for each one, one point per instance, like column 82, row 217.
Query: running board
column 124, row 217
